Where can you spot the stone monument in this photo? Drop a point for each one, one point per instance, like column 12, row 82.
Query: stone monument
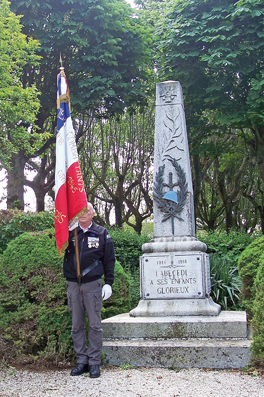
column 176, row 323
column 175, row 269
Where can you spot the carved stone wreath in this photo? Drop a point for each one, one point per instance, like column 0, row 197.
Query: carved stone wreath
column 171, row 207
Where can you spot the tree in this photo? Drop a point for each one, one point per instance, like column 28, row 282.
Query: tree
column 18, row 102
column 104, row 48
column 216, row 50
column 116, row 158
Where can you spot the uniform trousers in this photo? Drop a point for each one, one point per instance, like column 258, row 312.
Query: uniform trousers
column 85, row 299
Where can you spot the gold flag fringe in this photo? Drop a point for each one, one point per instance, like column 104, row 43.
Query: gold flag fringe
column 72, row 224
column 63, row 248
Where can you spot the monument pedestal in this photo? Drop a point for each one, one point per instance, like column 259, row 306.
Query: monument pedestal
column 176, row 307
column 217, row 342
column 175, row 279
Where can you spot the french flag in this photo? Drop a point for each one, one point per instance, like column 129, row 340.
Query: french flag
column 70, row 195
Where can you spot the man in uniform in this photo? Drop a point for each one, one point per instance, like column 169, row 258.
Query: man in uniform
column 97, row 258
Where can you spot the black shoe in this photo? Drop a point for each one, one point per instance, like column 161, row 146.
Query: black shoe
column 94, row 371
column 80, row 369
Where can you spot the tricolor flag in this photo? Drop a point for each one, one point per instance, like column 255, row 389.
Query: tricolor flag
column 70, row 196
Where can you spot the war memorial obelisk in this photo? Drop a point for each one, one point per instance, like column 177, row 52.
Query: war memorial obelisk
column 175, row 269
column 176, row 323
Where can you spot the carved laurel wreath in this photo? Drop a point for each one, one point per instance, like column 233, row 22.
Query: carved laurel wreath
column 170, row 208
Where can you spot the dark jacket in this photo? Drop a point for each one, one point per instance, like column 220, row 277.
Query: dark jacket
column 94, row 244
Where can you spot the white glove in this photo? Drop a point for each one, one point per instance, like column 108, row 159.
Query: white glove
column 106, row 291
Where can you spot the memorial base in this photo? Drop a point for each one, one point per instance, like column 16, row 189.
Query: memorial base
column 177, row 341
column 176, row 307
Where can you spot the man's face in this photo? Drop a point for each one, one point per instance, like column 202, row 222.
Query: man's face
column 86, row 219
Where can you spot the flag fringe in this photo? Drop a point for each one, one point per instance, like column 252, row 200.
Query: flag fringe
column 63, row 248
column 74, row 221
column 72, row 224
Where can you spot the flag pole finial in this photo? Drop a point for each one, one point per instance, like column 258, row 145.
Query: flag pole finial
column 61, row 67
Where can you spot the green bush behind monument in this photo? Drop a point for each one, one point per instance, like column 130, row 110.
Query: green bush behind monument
column 248, row 264
column 251, row 271
column 224, row 250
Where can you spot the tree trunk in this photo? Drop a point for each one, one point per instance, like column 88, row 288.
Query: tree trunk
column 15, row 184
column 197, row 180
column 118, row 212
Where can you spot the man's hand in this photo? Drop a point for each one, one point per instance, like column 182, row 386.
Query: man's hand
column 106, row 291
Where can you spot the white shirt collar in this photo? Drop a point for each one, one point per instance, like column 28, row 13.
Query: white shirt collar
column 85, row 230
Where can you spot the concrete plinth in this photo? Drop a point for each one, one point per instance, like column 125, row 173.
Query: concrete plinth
column 178, row 341
column 220, row 354
column 180, row 307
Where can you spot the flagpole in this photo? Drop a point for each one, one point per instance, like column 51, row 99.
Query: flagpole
column 70, row 196
column 77, row 257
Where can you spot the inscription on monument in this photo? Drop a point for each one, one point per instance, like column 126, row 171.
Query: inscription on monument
column 172, row 276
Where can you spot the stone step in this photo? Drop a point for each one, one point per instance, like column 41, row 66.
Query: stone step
column 175, row 353
column 178, row 341
column 228, row 324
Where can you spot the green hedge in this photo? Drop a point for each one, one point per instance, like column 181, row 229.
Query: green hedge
column 228, row 246
column 248, row 264
column 251, row 271
column 257, row 346
column 225, row 249
column 128, row 247
column 15, row 222
column 34, row 320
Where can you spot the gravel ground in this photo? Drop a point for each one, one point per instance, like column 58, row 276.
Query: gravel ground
column 142, row 382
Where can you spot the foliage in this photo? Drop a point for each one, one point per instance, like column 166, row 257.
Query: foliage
column 104, row 48
column 225, row 249
column 18, row 102
column 225, row 283
column 257, row 346
column 15, row 222
column 34, row 318
column 223, row 172
column 134, row 287
column 116, row 157
column 215, row 49
column 35, row 322
column 120, row 301
column 102, row 42
column 248, row 264
column 228, row 246
column 128, row 247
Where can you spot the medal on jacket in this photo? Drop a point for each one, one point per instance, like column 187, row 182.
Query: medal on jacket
column 93, row 242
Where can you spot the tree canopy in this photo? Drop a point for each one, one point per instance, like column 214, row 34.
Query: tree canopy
column 104, row 48
column 103, row 45
column 18, row 103
column 216, row 50
column 113, row 56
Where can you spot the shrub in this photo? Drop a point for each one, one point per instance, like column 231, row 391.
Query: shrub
column 128, row 247
column 224, row 250
column 257, row 346
column 120, row 301
column 248, row 264
column 135, row 287
column 228, row 246
column 33, row 314
column 15, row 222
column 34, row 320
column 225, row 283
